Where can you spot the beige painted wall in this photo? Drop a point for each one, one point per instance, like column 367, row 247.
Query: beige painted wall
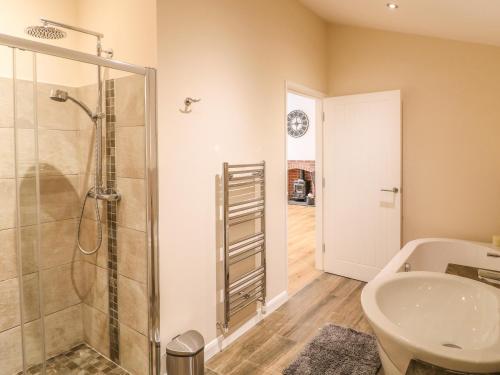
column 129, row 29
column 451, row 123
column 235, row 56
column 16, row 16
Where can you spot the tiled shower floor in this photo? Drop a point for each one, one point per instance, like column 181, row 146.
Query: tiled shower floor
column 81, row 360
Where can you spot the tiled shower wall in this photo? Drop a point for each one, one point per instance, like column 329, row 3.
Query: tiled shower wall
column 75, row 288
column 126, row 101
column 46, row 251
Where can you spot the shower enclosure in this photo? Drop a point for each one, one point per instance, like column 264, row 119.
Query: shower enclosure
column 63, row 310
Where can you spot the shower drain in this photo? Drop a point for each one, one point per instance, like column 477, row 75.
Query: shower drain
column 448, row 345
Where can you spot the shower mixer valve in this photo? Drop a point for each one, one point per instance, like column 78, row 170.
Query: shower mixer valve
column 98, row 116
column 105, row 195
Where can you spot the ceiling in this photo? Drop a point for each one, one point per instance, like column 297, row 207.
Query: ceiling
column 466, row 20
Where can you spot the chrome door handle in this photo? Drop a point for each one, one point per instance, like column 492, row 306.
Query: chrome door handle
column 393, row 190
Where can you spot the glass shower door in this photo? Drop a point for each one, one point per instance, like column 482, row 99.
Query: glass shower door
column 61, row 310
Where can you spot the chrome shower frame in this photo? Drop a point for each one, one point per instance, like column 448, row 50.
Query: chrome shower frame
column 150, row 96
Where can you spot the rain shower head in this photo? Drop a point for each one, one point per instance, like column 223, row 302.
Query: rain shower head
column 45, row 32
column 62, row 96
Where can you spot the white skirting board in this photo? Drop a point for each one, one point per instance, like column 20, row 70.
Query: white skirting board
column 220, row 343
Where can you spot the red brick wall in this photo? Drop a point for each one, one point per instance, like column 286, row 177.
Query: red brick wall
column 294, row 167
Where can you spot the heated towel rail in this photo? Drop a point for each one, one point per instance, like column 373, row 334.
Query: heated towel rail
column 244, row 202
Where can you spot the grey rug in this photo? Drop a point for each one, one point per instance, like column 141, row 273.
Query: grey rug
column 337, row 351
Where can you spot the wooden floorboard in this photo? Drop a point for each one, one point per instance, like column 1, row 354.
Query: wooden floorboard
column 301, row 247
column 269, row 347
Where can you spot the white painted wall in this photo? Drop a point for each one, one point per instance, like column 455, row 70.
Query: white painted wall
column 303, row 148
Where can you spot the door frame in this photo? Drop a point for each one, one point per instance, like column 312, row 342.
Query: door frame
column 318, row 96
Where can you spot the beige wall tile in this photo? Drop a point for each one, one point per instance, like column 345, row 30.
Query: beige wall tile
column 133, row 351
column 56, row 115
column 29, row 244
column 59, row 198
column 27, row 201
column 24, row 104
column 86, row 147
column 6, row 103
column 9, row 304
column 63, row 330
column 11, row 360
column 25, row 112
column 88, row 239
column 133, row 304
column 58, row 152
column 132, row 254
column 59, row 288
column 58, row 243
column 7, row 155
column 79, row 280
column 33, row 341
column 129, row 100
column 88, row 95
column 96, row 329
column 96, row 282
column 31, row 297
column 132, row 206
column 130, row 152
column 8, row 206
column 8, row 257
column 26, row 152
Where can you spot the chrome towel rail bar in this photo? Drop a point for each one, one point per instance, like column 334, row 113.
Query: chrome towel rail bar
column 246, row 238
column 245, row 255
column 245, row 208
column 244, row 202
column 241, row 221
column 258, row 239
column 248, row 201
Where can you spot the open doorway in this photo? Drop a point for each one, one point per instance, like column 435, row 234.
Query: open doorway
column 303, row 114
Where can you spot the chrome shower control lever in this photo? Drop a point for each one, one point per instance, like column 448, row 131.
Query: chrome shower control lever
column 393, row 190
column 187, row 104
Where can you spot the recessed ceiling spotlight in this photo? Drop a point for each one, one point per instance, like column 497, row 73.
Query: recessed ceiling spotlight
column 392, row 6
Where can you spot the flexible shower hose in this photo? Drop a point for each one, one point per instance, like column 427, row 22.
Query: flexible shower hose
column 96, row 206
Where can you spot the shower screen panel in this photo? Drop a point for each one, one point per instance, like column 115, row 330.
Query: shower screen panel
column 68, row 138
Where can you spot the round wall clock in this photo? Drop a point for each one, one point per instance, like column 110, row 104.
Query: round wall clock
column 298, row 123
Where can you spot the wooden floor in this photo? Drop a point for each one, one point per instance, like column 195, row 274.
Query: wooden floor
column 269, row 347
column 301, row 247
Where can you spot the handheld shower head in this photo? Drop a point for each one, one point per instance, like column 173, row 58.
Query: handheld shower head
column 58, row 95
column 62, row 96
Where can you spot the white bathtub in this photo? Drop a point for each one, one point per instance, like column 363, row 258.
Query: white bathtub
column 432, row 255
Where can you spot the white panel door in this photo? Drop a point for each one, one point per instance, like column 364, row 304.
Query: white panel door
column 362, row 193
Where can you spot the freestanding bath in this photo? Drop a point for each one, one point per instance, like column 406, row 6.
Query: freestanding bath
column 446, row 320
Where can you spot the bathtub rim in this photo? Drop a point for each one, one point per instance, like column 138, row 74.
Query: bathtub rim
column 399, row 260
